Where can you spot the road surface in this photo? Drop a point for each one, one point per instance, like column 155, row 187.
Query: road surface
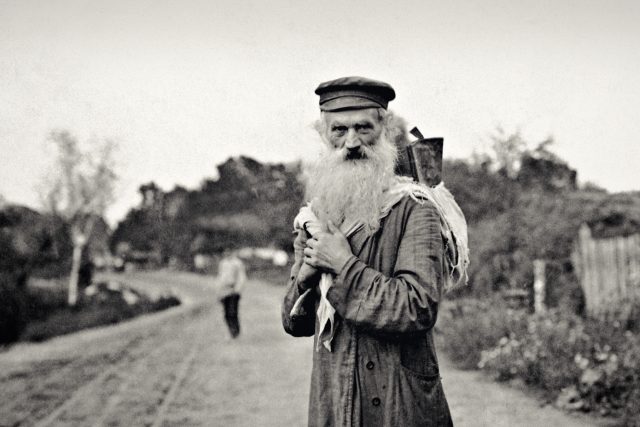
column 176, row 368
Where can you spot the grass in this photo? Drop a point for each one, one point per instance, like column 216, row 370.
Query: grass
column 50, row 316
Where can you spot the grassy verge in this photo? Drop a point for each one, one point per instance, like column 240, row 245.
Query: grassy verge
column 580, row 364
column 102, row 303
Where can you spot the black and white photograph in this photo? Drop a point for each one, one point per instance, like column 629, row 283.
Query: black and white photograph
column 319, row 213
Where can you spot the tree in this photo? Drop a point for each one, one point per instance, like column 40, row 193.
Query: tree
column 507, row 151
column 79, row 190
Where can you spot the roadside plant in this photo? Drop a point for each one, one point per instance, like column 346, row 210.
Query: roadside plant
column 581, row 364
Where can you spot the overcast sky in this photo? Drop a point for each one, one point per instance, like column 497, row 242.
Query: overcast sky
column 183, row 85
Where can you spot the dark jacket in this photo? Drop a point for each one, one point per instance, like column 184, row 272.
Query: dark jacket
column 382, row 370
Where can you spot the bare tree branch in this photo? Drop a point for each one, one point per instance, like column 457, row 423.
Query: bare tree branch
column 79, row 190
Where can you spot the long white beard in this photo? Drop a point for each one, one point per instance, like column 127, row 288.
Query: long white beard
column 351, row 191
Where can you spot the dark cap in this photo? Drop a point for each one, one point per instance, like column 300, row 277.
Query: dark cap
column 354, row 93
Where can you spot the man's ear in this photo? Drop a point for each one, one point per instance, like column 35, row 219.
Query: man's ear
column 396, row 128
column 320, row 126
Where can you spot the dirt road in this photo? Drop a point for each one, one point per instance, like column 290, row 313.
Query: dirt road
column 175, row 369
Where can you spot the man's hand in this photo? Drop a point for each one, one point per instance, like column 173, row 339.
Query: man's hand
column 328, row 251
column 299, row 244
column 307, row 274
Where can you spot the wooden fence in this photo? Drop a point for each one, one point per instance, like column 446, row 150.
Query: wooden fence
column 609, row 273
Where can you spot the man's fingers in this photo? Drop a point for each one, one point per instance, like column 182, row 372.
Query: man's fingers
column 311, row 243
column 311, row 257
column 310, row 261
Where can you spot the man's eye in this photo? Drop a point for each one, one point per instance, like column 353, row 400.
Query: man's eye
column 363, row 128
column 340, row 130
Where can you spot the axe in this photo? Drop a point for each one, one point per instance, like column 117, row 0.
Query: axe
column 422, row 159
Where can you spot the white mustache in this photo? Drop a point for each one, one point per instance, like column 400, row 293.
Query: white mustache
column 361, row 153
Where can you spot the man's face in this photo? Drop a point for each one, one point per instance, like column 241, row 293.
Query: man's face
column 352, row 132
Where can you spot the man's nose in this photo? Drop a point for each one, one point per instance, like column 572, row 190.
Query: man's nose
column 352, row 140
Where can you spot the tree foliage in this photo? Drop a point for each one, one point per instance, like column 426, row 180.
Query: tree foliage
column 83, row 182
column 30, row 244
column 79, row 190
column 521, row 204
column 249, row 204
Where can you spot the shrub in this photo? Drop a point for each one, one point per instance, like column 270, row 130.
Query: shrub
column 13, row 308
column 102, row 304
column 542, row 355
column 45, row 297
column 470, row 326
column 584, row 364
column 609, row 377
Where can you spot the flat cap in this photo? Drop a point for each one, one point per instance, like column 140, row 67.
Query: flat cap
column 354, row 93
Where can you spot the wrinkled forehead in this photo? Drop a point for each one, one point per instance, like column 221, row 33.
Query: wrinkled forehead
column 351, row 117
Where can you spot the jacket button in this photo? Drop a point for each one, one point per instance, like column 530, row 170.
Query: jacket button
column 375, row 401
column 370, row 365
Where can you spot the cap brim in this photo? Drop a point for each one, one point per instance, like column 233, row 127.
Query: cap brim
column 348, row 103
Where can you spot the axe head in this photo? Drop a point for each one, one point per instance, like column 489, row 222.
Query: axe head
column 422, row 160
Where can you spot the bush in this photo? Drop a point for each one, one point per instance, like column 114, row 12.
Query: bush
column 13, row 309
column 609, row 376
column 470, row 326
column 581, row 364
column 102, row 304
column 542, row 355
column 45, row 297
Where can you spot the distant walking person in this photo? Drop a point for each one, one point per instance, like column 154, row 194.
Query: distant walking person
column 231, row 279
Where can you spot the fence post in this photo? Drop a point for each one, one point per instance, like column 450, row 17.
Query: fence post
column 539, row 285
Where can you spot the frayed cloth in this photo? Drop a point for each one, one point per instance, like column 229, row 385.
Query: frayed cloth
column 453, row 223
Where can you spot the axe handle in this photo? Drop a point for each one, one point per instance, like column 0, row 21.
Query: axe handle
column 415, row 132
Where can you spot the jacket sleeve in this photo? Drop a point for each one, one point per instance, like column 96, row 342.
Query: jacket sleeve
column 407, row 302
column 300, row 322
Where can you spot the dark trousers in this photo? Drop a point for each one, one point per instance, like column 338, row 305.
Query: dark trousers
column 230, row 304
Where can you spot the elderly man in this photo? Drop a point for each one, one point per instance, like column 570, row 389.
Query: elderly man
column 370, row 268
